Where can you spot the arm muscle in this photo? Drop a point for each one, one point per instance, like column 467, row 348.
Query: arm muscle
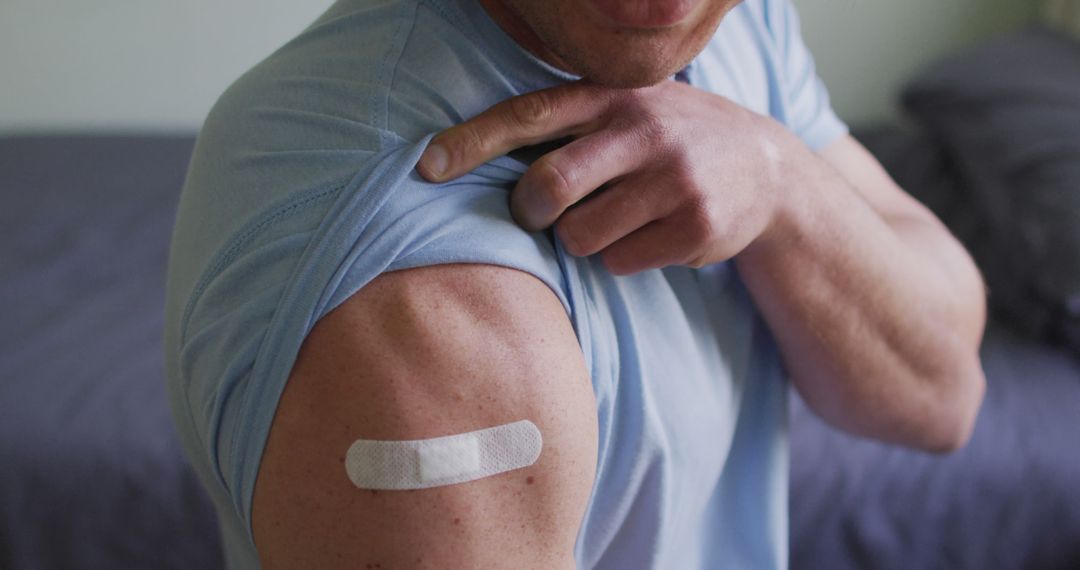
column 424, row 353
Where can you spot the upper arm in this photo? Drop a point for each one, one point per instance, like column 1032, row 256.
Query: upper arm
column 423, row 353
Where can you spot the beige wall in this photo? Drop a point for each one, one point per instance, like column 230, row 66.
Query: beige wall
column 865, row 49
column 132, row 64
column 1064, row 14
column 159, row 64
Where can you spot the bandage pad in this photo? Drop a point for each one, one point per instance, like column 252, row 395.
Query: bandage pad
column 424, row 463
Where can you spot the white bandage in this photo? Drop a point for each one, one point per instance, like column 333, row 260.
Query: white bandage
column 423, row 463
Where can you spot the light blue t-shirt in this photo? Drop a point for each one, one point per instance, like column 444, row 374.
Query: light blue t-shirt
column 302, row 189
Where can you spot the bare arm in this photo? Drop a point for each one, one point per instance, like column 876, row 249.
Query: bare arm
column 417, row 354
column 878, row 310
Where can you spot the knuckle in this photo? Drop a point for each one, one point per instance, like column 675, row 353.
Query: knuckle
column 531, row 111
column 685, row 174
column 654, row 127
column 637, row 106
column 552, row 183
column 701, row 225
column 469, row 142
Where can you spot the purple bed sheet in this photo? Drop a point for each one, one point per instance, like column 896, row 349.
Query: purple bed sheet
column 93, row 475
column 1008, row 500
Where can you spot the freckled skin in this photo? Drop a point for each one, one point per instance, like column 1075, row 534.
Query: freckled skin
column 392, row 365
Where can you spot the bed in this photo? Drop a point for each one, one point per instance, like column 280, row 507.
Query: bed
column 93, row 475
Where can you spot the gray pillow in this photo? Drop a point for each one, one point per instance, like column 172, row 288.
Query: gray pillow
column 1008, row 113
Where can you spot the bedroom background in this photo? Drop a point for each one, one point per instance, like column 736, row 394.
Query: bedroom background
column 971, row 104
column 158, row 66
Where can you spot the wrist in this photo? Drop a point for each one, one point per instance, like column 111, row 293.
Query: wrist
column 792, row 173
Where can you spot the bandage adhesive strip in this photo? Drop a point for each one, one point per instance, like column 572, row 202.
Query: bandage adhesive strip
column 448, row 460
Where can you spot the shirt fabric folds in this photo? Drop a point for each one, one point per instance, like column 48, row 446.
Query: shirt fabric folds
column 302, row 189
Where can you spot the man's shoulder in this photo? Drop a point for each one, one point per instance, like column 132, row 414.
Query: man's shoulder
column 367, row 80
column 365, row 73
column 422, row 354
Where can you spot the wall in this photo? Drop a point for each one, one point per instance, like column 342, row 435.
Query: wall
column 1064, row 14
column 158, row 65
column 866, row 49
column 132, row 64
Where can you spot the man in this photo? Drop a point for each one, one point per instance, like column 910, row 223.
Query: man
column 624, row 296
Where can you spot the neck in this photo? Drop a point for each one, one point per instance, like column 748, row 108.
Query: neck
column 521, row 32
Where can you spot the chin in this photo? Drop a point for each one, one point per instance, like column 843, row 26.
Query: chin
column 628, row 67
column 628, row 77
column 577, row 40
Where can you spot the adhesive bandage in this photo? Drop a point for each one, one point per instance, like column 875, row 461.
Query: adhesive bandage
column 424, row 463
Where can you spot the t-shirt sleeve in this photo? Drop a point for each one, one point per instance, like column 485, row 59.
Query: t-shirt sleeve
column 249, row 316
column 809, row 112
column 400, row 221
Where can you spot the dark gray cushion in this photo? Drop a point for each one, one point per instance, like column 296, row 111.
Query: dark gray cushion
column 1008, row 114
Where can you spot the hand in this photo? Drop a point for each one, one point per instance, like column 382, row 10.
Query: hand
column 673, row 175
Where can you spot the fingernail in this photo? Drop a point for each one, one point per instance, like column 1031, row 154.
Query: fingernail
column 435, row 160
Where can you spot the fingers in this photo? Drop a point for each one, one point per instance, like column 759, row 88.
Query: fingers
column 524, row 120
column 563, row 177
column 609, row 216
column 655, row 245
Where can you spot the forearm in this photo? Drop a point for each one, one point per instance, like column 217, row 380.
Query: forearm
column 878, row 311
column 878, row 315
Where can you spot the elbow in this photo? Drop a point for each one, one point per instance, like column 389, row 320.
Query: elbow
column 957, row 400
column 933, row 409
column 949, row 438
